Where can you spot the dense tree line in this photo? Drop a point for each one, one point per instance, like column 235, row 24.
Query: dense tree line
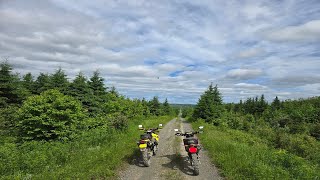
column 293, row 125
column 50, row 106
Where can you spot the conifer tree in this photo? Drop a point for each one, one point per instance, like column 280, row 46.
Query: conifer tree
column 262, row 105
column 79, row 88
column 59, row 81
column 154, row 106
column 99, row 98
column 209, row 106
column 42, row 83
column 166, row 107
column 28, row 83
column 8, row 86
column 96, row 83
column 276, row 104
column 146, row 111
column 114, row 91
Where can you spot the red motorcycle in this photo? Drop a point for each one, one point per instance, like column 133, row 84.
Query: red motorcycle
column 192, row 147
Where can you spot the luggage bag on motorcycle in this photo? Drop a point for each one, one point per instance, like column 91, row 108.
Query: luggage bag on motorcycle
column 188, row 141
column 145, row 136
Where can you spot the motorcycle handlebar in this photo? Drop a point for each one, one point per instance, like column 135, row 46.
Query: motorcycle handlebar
column 152, row 129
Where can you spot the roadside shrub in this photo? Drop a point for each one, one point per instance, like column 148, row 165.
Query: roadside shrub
column 8, row 158
column 119, row 122
column 8, row 120
column 234, row 121
column 315, row 131
column 248, row 122
column 49, row 116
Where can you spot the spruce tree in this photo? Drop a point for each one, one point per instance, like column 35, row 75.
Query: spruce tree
column 59, row 81
column 217, row 98
column 114, row 91
column 276, row 104
column 262, row 105
column 42, row 83
column 8, row 86
column 96, row 83
column 154, row 106
column 28, row 83
column 166, row 107
column 146, row 110
column 79, row 89
column 99, row 98
column 209, row 106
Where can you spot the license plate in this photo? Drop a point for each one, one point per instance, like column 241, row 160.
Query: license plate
column 142, row 146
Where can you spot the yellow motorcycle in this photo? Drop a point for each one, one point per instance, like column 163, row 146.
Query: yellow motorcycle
column 148, row 144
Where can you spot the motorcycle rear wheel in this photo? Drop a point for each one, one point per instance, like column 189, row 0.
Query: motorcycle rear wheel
column 195, row 164
column 146, row 158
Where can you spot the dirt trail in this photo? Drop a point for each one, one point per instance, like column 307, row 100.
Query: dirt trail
column 171, row 160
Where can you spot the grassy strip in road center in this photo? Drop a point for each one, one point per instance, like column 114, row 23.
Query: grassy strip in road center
column 176, row 158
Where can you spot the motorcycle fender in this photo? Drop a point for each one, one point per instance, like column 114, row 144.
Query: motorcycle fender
column 143, row 149
column 143, row 146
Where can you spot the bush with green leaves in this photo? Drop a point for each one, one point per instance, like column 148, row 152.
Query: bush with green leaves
column 119, row 122
column 49, row 116
column 8, row 121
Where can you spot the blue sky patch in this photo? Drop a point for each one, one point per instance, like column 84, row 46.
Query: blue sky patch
column 175, row 73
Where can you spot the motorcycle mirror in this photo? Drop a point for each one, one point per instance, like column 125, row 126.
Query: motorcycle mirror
column 140, row 127
column 200, row 129
column 176, row 130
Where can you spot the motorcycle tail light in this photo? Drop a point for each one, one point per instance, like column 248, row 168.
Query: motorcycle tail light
column 142, row 142
column 193, row 149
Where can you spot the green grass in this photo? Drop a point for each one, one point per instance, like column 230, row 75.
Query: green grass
column 96, row 154
column 241, row 155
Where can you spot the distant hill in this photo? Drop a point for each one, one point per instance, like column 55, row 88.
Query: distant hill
column 182, row 105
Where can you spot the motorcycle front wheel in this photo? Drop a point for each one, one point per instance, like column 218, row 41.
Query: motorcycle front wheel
column 155, row 149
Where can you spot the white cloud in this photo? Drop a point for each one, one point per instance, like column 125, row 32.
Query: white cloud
column 250, row 86
column 250, row 53
column 252, row 11
column 309, row 32
column 244, row 73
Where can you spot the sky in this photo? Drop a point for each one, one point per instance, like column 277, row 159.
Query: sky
column 170, row 48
